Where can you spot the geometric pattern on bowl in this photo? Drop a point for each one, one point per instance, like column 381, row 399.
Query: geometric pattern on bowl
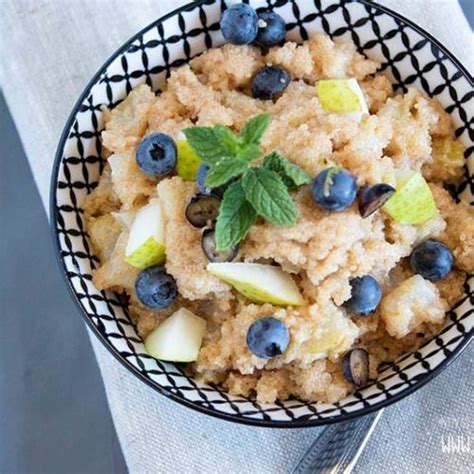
column 409, row 55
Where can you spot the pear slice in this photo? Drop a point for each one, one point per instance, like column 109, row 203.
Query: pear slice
column 146, row 242
column 412, row 202
column 342, row 96
column 334, row 333
column 448, row 156
column 448, row 150
column 323, row 344
column 178, row 338
column 187, row 162
column 124, row 218
column 259, row 283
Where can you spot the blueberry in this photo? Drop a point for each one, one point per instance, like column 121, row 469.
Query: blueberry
column 365, row 295
column 269, row 82
column 156, row 154
column 271, row 29
column 239, row 24
column 372, row 198
column 202, row 209
column 432, row 260
column 208, row 244
column 334, row 189
column 267, row 337
column 355, row 367
column 201, row 179
column 155, row 288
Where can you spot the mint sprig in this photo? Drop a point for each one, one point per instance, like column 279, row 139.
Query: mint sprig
column 254, row 129
column 224, row 171
column 258, row 190
column 269, row 196
column 292, row 175
column 250, row 152
column 208, row 144
column 236, row 216
column 229, row 141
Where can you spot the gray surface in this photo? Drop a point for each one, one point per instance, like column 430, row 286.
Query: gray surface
column 53, row 411
column 468, row 7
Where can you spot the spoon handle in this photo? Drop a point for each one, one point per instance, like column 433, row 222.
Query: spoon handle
column 339, row 446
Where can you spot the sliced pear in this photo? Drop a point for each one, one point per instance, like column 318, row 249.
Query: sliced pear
column 334, row 333
column 412, row 202
column 178, row 338
column 449, row 151
column 125, row 218
column 448, row 154
column 188, row 162
column 342, row 96
column 324, row 343
column 146, row 242
column 259, row 283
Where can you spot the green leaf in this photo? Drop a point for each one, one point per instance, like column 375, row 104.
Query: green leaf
column 291, row 174
column 254, row 129
column 236, row 216
column 229, row 141
column 250, row 152
column 207, row 144
column 267, row 193
column 224, row 170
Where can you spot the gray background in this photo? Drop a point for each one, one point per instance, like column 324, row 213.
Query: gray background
column 53, row 411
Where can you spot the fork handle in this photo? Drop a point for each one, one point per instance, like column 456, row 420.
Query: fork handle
column 338, row 447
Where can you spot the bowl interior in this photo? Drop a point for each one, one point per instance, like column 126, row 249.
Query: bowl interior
column 409, row 56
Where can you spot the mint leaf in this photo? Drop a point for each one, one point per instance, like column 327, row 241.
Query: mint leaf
column 207, row 144
column 250, row 152
column 214, row 144
column 224, row 170
column 230, row 141
column 267, row 193
column 255, row 128
column 291, row 174
column 236, row 216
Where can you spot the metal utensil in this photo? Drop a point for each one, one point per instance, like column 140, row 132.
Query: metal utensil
column 338, row 447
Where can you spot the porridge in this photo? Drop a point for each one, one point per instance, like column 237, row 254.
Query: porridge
column 276, row 215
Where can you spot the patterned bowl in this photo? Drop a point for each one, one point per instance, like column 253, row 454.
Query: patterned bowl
column 409, row 55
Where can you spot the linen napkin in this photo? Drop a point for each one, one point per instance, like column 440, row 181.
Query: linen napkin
column 49, row 51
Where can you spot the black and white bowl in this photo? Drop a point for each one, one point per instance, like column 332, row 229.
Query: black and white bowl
column 409, row 55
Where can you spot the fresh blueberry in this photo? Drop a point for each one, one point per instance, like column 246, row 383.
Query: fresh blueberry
column 156, row 154
column 202, row 209
column 365, row 295
column 208, row 244
column 155, row 288
column 239, row 24
column 271, row 29
column 432, row 260
column 269, row 82
column 372, row 198
column 268, row 337
column 201, row 179
column 355, row 367
column 334, row 189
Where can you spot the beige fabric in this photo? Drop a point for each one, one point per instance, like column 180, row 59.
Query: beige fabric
column 49, row 51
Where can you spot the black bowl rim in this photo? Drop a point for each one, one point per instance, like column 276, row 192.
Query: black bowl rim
column 214, row 413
